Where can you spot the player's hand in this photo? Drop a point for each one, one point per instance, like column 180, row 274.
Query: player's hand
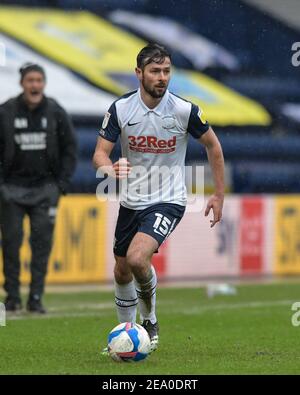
column 122, row 168
column 215, row 203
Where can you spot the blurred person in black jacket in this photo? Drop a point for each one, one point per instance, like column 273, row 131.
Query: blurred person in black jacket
column 37, row 160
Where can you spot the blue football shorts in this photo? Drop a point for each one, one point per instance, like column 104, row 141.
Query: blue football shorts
column 158, row 221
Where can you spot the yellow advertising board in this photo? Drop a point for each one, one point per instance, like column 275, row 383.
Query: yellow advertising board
column 79, row 249
column 106, row 56
column 287, row 235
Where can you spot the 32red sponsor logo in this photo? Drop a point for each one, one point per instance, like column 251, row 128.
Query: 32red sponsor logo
column 152, row 144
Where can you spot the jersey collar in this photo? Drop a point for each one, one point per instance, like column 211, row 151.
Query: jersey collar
column 159, row 108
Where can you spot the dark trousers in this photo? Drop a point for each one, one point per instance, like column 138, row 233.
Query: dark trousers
column 40, row 204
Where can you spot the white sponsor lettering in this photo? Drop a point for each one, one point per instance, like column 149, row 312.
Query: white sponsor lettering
column 21, row 123
column 31, row 141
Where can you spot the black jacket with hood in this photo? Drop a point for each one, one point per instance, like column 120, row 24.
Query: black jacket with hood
column 61, row 143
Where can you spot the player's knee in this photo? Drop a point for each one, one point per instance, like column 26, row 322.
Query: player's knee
column 135, row 259
column 137, row 262
column 122, row 275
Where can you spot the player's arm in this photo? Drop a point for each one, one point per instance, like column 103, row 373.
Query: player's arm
column 216, row 161
column 200, row 129
column 102, row 152
column 101, row 160
column 108, row 136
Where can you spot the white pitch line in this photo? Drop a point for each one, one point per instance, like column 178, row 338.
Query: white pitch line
column 97, row 309
column 83, row 306
column 228, row 306
column 28, row 316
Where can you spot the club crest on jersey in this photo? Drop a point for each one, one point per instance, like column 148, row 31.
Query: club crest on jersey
column 168, row 122
column 106, row 119
column 152, row 144
column 44, row 123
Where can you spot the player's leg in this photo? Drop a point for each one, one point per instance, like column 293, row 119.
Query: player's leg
column 125, row 293
column 139, row 257
column 41, row 236
column 42, row 222
column 12, row 216
column 155, row 224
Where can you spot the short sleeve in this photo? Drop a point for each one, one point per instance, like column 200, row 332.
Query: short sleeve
column 110, row 129
column 197, row 125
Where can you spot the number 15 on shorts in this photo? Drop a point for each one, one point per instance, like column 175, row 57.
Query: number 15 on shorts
column 162, row 225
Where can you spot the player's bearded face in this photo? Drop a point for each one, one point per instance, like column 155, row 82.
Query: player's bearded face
column 156, row 77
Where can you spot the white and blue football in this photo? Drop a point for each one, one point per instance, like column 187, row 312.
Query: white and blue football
column 128, row 342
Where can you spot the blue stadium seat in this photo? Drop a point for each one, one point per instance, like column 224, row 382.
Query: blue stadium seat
column 266, row 177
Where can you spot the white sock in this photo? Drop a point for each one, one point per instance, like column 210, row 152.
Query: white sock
column 126, row 302
column 147, row 297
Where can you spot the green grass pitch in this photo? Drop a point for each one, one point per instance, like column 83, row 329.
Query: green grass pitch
column 247, row 333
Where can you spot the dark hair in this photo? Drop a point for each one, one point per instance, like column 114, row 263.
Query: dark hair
column 28, row 67
column 151, row 53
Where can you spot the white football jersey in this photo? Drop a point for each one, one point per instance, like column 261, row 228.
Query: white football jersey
column 154, row 141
